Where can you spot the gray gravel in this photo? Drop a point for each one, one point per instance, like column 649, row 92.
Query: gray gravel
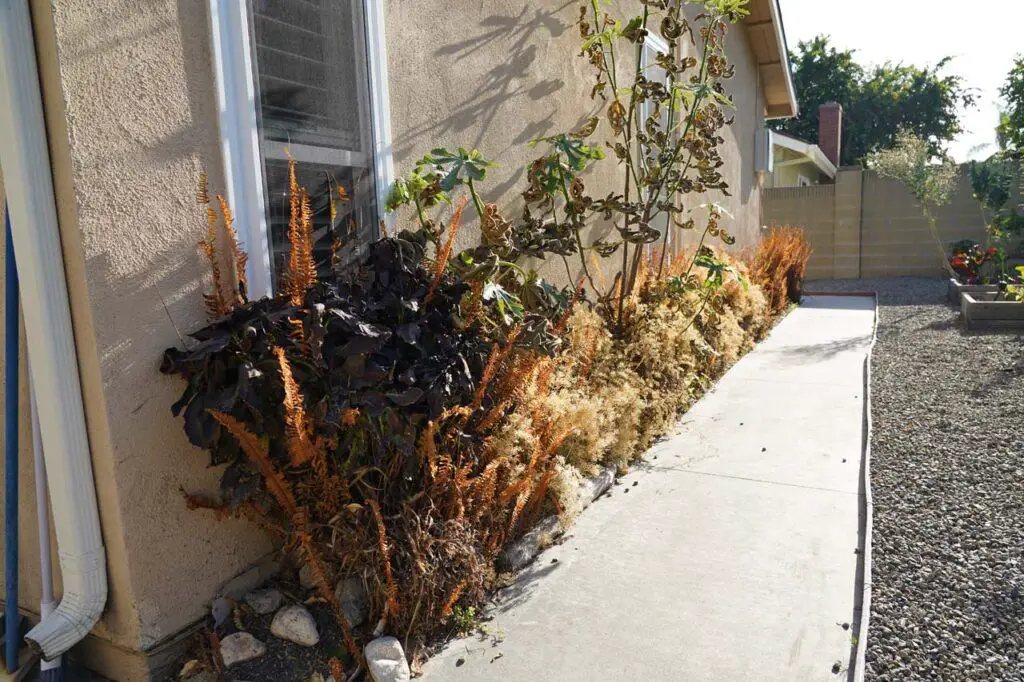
column 947, row 472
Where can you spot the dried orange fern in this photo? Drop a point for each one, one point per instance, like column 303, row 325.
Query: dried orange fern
column 446, row 251
column 385, row 551
column 300, row 448
column 258, row 454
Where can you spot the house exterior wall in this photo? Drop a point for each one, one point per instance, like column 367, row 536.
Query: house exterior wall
column 129, row 99
column 789, row 176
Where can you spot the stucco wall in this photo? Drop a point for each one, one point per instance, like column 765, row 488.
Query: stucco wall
column 128, row 92
column 496, row 75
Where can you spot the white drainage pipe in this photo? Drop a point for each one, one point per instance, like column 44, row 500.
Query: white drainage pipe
column 53, row 364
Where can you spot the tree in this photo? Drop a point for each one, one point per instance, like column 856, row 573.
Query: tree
column 931, row 181
column 877, row 101
column 1011, row 124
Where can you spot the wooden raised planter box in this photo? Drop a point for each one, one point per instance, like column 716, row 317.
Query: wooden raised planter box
column 957, row 289
column 983, row 310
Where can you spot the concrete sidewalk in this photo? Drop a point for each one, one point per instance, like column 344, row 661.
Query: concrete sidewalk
column 729, row 553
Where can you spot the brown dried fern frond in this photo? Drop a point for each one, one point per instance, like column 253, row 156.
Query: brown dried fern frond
column 337, row 669
column 300, row 448
column 427, row 447
column 239, row 258
column 531, row 510
column 216, row 304
column 453, row 598
column 385, row 552
column 258, row 454
column 300, row 273
column 203, row 193
column 446, row 251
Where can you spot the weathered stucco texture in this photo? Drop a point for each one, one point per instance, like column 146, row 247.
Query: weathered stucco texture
column 135, row 82
column 496, row 75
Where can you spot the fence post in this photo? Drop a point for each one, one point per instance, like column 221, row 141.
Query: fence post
column 846, row 246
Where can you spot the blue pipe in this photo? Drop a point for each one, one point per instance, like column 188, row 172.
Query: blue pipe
column 12, row 620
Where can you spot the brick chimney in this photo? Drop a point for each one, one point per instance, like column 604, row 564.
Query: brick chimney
column 830, row 130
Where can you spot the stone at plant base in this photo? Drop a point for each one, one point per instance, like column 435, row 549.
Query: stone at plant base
column 295, row 624
column 264, row 601
column 305, row 576
column 353, row 600
column 385, row 660
column 221, row 609
column 240, row 647
column 522, row 552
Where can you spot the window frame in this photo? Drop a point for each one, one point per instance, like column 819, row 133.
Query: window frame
column 237, row 119
column 655, row 43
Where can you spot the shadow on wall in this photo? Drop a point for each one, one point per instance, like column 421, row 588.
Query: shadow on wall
column 514, row 36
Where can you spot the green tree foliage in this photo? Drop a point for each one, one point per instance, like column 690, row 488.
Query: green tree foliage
column 1011, row 124
column 877, row 101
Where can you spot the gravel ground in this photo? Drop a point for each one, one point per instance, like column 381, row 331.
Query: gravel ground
column 947, row 471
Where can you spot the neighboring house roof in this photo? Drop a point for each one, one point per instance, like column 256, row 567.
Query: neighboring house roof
column 810, row 151
column 768, row 40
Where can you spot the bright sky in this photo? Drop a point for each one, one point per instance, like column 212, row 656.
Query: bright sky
column 982, row 35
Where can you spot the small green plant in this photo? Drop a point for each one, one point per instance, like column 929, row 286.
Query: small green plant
column 1017, row 290
column 463, row 620
column 931, row 180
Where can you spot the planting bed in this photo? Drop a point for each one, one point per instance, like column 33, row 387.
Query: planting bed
column 990, row 310
column 947, row 461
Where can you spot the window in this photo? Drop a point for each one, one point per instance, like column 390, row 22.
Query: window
column 305, row 79
column 653, row 44
column 803, row 181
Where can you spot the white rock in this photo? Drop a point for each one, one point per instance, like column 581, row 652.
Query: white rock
column 353, row 600
column 386, row 660
column 264, row 601
column 240, row 647
column 295, row 624
column 592, row 488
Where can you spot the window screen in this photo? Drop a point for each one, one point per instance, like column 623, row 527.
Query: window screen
column 313, row 84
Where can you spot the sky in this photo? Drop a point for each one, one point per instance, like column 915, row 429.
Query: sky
column 982, row 36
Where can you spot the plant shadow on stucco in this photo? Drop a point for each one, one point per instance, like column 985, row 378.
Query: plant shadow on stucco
column 497, row 89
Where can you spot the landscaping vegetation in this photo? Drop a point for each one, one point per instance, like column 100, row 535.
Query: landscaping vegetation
column 401, row 422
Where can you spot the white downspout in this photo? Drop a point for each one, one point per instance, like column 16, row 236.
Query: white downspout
column 52, row 361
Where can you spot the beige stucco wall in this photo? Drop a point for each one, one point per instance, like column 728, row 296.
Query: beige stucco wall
column 494, row 76
column 128, row 92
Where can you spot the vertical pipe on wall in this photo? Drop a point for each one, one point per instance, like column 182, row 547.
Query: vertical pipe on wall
column 28, row 183
column 12, row 332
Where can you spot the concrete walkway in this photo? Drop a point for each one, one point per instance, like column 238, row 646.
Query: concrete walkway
column 729, row 553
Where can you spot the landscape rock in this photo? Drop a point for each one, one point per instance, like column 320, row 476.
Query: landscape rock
column 592, row 488
column 353, row 600
column 522, row 552
column 240, row 647
column 221, row 609
column 306, row 577
column 385, row 660
column 295, row 624
column 264, row 601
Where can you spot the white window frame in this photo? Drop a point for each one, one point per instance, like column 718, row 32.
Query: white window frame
column 240, row 137
column 803, row 181
column 654, row 43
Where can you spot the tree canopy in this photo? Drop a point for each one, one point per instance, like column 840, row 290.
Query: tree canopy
column 1011, row 124
column 878, row 101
